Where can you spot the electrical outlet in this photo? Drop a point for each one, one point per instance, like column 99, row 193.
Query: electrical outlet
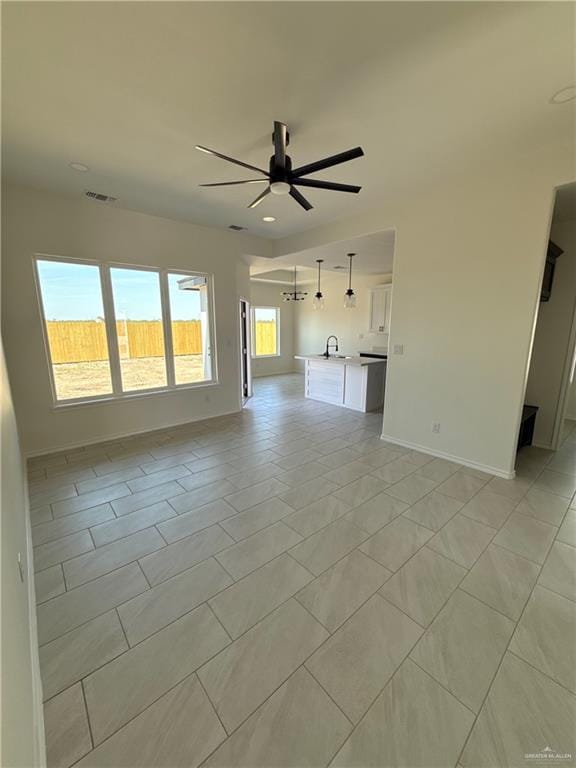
column 436, row 426
column 398, row 349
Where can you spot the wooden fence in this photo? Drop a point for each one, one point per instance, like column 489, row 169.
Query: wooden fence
column 265, row 337
column 83, row 341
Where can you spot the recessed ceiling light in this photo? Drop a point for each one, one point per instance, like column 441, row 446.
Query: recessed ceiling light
column 268, row 219
column 79, row 167
column 564, row 94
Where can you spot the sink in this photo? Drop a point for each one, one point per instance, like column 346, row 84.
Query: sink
column 338, row 357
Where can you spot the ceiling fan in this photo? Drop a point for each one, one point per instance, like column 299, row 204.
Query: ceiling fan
column 281, row 178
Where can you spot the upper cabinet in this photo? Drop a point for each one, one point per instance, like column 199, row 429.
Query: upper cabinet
column 380, row 305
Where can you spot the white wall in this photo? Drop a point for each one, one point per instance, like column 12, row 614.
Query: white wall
column 312, row 327
column 41, row 222
column 552, row 337
column 268, row 295
column 468, row 265
column 571, row 402
column 22, row 729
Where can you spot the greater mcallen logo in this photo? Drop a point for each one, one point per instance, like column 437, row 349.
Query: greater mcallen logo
column 548, row 754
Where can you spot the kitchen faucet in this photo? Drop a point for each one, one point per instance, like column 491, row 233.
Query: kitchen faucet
column 328, row 345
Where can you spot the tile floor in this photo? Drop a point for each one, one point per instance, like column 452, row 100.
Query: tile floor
column 281, row 588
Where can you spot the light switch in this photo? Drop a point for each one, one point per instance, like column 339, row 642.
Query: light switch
column 398, row 349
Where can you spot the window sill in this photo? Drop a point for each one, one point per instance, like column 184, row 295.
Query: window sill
column 264, row 357
column 107, row 399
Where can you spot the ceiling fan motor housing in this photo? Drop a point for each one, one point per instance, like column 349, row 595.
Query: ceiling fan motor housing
column 280, row 174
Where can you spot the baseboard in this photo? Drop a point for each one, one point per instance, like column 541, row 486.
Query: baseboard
column 276, row 373
column 546, row 446
column 450, row 457
column 121, row 436
column 37, row 695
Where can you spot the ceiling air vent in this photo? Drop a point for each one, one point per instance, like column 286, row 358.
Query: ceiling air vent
column 100, row 197
column 236, row 227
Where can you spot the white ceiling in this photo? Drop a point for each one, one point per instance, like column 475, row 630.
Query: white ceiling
column 129, row 88
column 374, row 256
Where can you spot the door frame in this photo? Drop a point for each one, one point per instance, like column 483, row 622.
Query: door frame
column 245, row 349
column 567, row 377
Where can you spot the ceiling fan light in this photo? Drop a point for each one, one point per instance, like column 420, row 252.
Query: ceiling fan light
column 280, row 188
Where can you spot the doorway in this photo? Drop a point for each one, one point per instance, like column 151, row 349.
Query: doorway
column 551, row 372
column 245, row 353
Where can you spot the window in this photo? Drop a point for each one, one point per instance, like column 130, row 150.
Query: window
column 139, row 328
column 266, row 331
column 75, row 329
column 190, row 328
column 113, row 331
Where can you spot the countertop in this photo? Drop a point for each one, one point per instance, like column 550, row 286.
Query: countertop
column 370, row 352
column 352, row 360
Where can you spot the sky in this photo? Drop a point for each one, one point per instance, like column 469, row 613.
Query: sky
column 264, row 313
column 72, row 292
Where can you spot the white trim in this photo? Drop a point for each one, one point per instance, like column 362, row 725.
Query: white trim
column 249, row 373
column 535, row 312
column 133, row 393
column 167, row 329
column 37, row 694
column 123, row 435
column 111, row 334
column 450, row 457
column 565, row 384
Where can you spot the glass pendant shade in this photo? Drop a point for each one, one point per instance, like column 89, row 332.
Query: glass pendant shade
column 349, row 300
column 318, row 300
column 349, row 296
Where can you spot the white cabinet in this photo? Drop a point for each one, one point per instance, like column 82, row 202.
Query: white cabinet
column 380, row 305
column 359, row 387
column 364, row 390
column 325, row 381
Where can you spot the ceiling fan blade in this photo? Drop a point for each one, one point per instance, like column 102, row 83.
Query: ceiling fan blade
column 279, row 144
column 300, row 199
column 328, row 162
column 229, row 159
column 230, row 183
column 260, row 197
column 326, row 185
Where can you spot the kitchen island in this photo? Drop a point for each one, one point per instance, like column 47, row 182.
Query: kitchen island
column 350, row 382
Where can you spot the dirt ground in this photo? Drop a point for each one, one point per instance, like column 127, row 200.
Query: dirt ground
column 89, row 379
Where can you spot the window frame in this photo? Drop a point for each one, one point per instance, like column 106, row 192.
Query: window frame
column 118, row 394
column 253, row 332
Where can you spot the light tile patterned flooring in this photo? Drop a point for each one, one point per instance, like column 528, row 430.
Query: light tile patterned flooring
column 281, row 588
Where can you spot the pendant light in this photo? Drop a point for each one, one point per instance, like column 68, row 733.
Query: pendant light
column 349, row 296
column 318, row 300
column 294, row 295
